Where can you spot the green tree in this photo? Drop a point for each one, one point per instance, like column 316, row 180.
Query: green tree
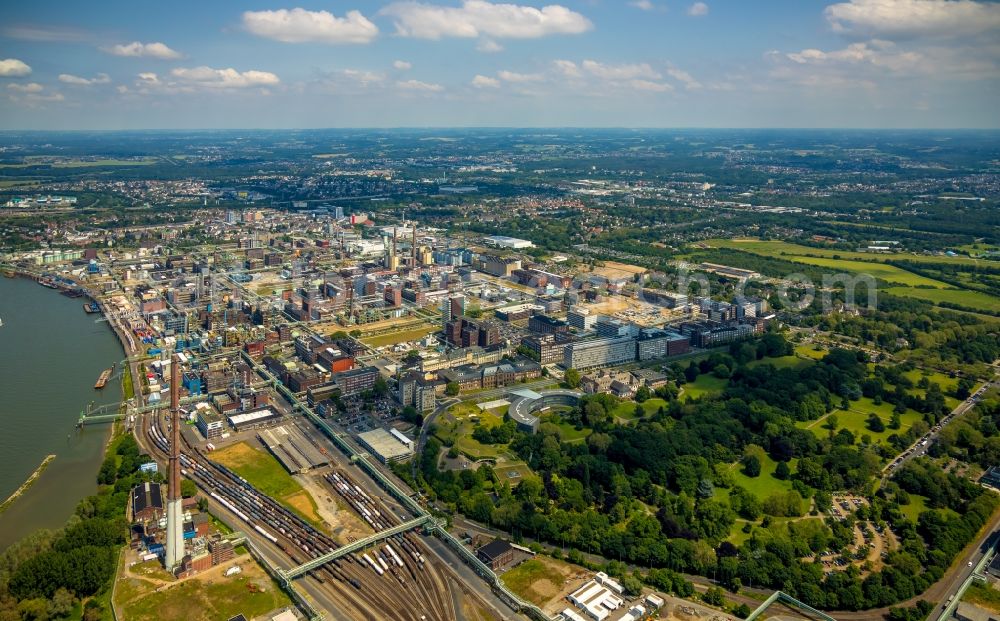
column 572, row 378
column 751, row 466
column 452, row 389
column 188, row 488
column 782, row 471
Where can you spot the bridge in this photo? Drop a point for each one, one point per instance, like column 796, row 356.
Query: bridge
column 788, row 600
column 319, row 561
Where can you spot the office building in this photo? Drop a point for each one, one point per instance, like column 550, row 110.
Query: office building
column 599, row 352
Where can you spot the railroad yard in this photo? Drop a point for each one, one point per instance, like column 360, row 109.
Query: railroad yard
column 396, row 578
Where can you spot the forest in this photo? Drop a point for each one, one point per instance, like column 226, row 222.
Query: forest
column 661, row 491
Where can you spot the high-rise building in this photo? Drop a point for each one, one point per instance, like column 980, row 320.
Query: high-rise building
column 599, row 353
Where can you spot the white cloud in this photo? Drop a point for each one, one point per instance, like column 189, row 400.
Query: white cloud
column 417, row 85
column 364, row 78
column 489, row 46
column 684, row 78
column 620, row 72
column 148, row 50
column 568, row 68
column 649, row 85
column 223, row 78
column 30, row 87
column 31, row 94
column 300, row 26
column 510, row 76
column 100, row 78
column 149, row 78
column 479, row 18
column 876, row 53
column 698, row 9
column 645, row 5
column 482, row 81
column 402, row 65
column 13, row 68
column 913, row 18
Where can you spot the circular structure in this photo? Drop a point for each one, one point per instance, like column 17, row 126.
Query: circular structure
column 526, row 402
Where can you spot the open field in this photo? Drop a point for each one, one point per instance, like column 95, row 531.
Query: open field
column 626, row 409
column 204, row 597
column 855, row 420
column 403, row 336
column 781, row 249
column 613, row 269
column 810, row 351
column 918, row 504
column 909, row 284
column 784, row 362
column 761, row 486
column 539, row 580
column 962, row 297
column 704, row 384
column 264, row 472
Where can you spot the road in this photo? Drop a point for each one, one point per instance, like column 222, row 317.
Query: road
column 915, row 450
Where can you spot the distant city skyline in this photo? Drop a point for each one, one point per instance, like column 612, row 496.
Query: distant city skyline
column 454, row 63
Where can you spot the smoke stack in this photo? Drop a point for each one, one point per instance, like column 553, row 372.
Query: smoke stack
column 393, row 241
column 175, row 526
column 413, row 243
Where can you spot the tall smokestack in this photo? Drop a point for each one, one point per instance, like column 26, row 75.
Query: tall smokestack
column 413, row 243
column 175, row 517
column 393, row 241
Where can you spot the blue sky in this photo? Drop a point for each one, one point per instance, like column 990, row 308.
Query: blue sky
column 647, row 63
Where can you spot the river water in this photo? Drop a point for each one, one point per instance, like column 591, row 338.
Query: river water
column 51, row 353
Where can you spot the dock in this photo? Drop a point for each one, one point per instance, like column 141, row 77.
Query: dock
column 103, row 379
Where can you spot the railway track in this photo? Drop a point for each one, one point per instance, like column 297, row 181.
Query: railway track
column 390, row 580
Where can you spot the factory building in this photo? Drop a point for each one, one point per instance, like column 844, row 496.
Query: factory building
column 502, row 241
column 209, row 422
column 253, row 419
column 147, row 502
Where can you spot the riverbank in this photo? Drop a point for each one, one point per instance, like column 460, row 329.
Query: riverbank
column 28, row 483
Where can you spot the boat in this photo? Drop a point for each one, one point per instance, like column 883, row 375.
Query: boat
column 91, row 307
column 1, row 322
column 102, row 381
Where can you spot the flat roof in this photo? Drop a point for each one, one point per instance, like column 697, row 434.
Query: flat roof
column 249, row 417
column 385, row 444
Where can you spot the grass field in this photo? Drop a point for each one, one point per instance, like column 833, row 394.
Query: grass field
column 201, row 598
column 810, row 351
column 763, row 485
column 626, row 409
column 918, row 504
column 782, row 249
column 784, row 362
column 704, row 384
column 539, row 579
column 908, row 283
column 962, row 297
column 855, row 420
column 403, row 336
column 264, row 472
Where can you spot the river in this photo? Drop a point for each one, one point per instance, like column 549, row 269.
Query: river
column 51, row 353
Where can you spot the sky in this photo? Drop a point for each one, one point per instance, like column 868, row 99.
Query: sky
column 452, row 63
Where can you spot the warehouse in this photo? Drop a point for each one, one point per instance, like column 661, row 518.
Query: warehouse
column 388, row 447
column 503, row 241
column 253, row 419
column 292, row 448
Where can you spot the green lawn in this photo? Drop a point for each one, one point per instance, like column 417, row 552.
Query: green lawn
column 809, row 351
column 706, row 383
column 539, row 579
column 918, row 504
column 784, row 362
column 947, row 384
column 855, row 420
column 626, row 409
column 761, row 486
